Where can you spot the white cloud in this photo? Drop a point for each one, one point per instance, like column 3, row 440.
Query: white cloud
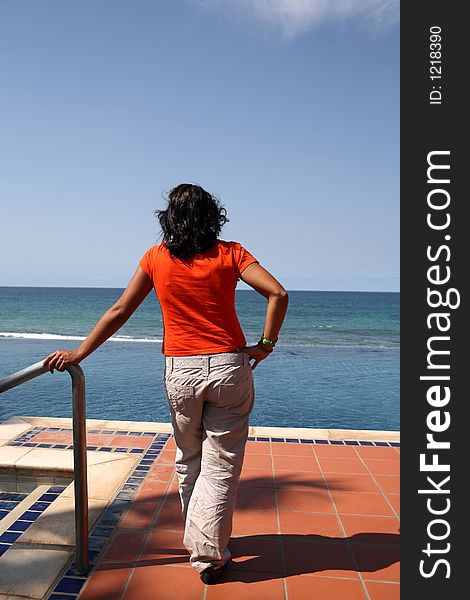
column 292, row 17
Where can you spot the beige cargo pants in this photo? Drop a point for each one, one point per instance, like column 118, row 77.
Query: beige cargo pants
column 210, row 397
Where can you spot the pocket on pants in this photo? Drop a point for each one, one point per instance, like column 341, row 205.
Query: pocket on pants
column 237, row 397
column 181, row 397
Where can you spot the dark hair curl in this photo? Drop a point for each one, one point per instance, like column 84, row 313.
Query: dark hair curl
column 192, row 221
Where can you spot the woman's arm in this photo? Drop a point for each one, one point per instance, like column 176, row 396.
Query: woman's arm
column 113, row 319
column 265, row 284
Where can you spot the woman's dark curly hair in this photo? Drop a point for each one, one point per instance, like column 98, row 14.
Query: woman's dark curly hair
column 192, row 221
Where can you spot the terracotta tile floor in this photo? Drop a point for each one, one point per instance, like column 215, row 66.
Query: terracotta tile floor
column 311, row 521
column 93, row 439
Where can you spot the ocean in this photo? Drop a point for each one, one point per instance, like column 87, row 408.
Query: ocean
column 336, row 364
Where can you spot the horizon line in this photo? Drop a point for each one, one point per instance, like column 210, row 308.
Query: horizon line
column 97, row 287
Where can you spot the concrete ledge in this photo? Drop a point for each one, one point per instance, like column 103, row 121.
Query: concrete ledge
column 104, row 479
column 56, row 525
column 327, row 434
column 29, row 574
column 51, row 422
column 255, row 430
column 11, row 429
column 51, row 462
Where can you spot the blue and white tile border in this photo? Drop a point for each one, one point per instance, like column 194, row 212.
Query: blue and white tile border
column 8, row 504
column 25, row 520
column 323, row 442
column 24, row 439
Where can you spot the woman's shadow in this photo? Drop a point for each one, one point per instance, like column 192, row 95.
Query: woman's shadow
column 262, row 557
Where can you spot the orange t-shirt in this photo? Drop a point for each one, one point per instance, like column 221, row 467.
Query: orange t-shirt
column 197, row 297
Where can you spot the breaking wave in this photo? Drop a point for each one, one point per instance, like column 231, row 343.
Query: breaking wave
column 58, row 336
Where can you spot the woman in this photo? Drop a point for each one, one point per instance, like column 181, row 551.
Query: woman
column 208, row 375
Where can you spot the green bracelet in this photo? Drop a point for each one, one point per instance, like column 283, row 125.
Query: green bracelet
column 268, row 342
column 264, row 347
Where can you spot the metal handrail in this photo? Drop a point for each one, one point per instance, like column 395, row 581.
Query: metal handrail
column 79, row 450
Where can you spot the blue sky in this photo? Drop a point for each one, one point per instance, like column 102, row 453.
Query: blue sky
column 287, row 110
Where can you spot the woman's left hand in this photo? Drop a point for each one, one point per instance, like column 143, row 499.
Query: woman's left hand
column 60, row 359
column 256, row 353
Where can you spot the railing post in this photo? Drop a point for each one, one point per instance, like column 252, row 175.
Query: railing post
column 80, row 467
column 79, row 450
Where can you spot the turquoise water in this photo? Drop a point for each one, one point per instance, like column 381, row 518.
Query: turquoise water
column 336, row 363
